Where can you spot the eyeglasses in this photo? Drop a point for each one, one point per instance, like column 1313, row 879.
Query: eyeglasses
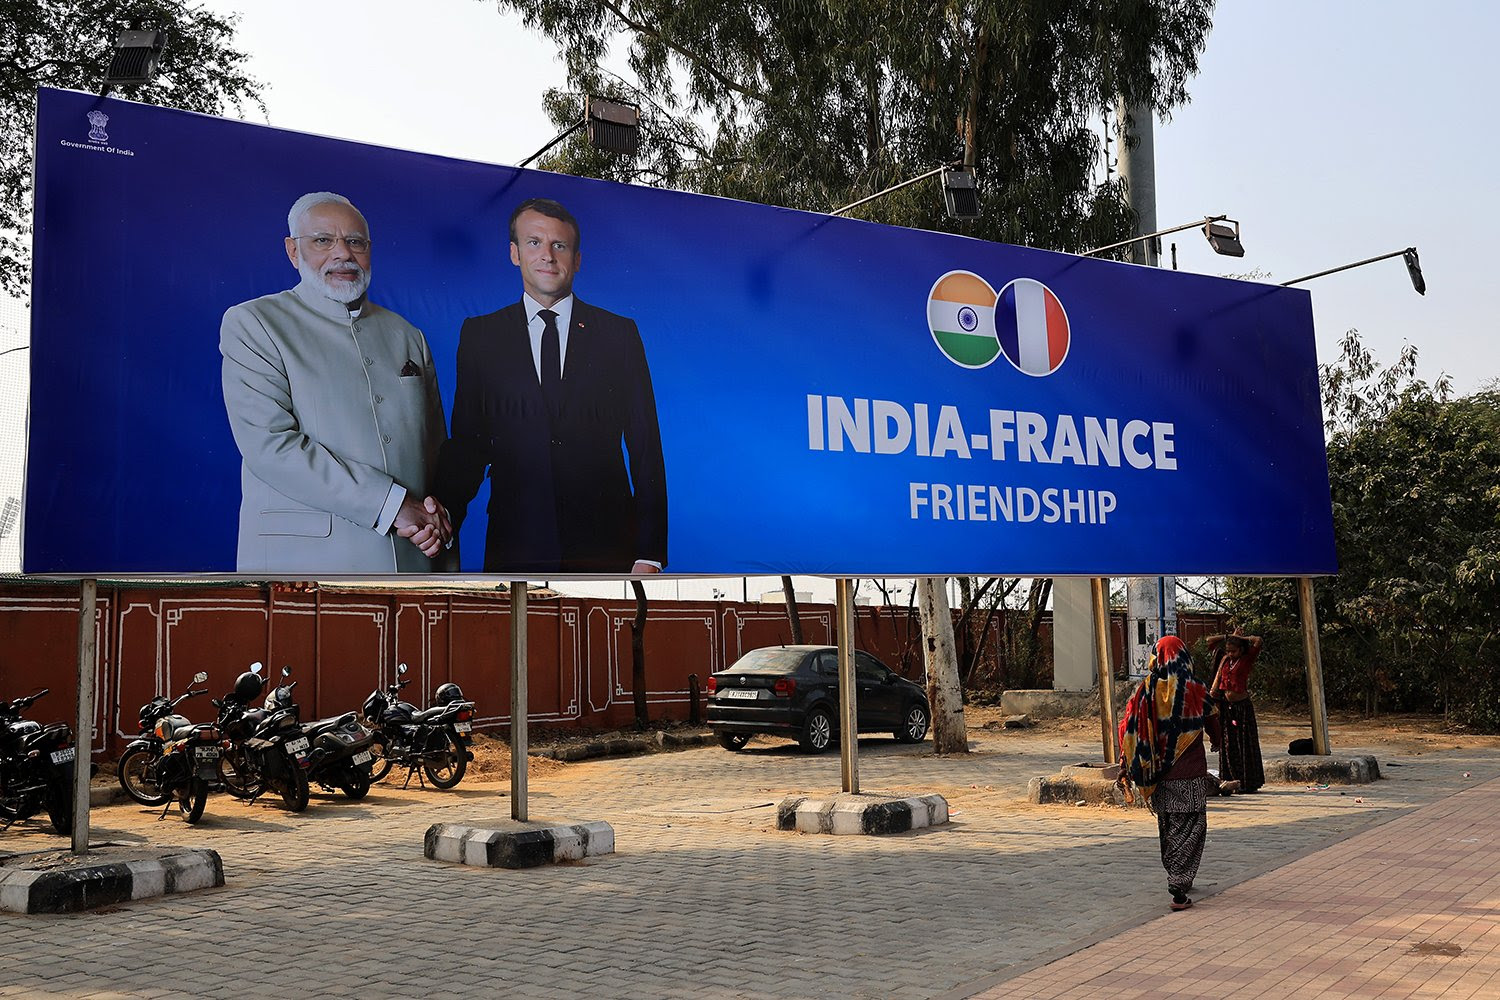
column 325, row 242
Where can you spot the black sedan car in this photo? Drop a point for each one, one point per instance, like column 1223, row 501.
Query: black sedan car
column 794, row 691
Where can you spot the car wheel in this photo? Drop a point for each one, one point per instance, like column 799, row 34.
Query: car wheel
column 913, row 723
column 733, row 741
column 817, row 731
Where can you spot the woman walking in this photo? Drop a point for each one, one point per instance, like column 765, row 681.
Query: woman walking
column 1239, row 756
column 1161, row 754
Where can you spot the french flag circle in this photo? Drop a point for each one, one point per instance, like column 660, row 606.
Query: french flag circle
column 1032, row 327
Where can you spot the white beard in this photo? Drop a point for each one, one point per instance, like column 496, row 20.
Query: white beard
column 338, row 290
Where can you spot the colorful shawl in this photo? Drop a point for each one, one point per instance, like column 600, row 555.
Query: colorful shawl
column 1163, row 717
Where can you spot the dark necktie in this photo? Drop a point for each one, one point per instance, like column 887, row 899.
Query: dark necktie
column 551, row 357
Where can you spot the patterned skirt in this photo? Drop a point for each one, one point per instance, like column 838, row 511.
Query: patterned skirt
column 1182, row 826
column 1239, row 757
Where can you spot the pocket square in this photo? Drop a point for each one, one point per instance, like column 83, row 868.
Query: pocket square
column 410, row 369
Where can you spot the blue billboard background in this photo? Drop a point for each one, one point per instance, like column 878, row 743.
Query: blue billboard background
column 144, row 239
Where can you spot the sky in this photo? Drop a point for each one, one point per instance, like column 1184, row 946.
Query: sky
column 1332, row 131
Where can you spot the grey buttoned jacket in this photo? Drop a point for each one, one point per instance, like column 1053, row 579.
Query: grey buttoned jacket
column 336, row 416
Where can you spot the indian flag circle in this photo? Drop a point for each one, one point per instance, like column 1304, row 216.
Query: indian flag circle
column 961, row 316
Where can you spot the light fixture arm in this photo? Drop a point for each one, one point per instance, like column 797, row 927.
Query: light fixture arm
column 895, row 187
column 1346, row 267
column 580, row 123
column 1151, row 236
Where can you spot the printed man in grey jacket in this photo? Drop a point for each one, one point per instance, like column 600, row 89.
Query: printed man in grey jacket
column 334, row 405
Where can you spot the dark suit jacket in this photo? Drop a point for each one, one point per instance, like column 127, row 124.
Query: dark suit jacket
column 562, row 498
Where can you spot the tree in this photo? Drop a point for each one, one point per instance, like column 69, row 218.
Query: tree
column 793, row 613
column 817, row 105
column 1410, row 620
column 638, row 656
column 67, row 44
column 944, row 693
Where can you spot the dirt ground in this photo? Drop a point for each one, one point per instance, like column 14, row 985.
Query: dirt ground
column 1395, row 735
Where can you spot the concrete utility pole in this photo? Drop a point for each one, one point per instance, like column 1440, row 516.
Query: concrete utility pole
column 88, row 654
column 1151, row 602
column 519, row 793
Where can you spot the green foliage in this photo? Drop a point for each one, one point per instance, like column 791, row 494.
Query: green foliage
column 67, row 44
column 1410, row 621
column 816, row 105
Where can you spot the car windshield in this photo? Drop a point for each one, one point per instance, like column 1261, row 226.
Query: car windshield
column 772, row 660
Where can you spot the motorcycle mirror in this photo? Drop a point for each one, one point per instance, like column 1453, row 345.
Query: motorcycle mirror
column 286, row 671
column 401, row 669
column 256, row 668
column 200, row 677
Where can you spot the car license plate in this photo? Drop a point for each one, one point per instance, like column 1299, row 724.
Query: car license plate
column 64, row 755
column 298, row 745
column 206, row 753
column 363, row 757
column 463, row 727
column 742, row 694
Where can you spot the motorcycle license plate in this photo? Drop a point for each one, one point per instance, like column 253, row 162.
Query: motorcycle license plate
column 463, row 727
column 64, row 755
column 363, row 757
column 299, row 745
column 205, row 754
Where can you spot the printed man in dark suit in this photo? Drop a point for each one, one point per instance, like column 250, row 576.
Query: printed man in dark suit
column 552, row 395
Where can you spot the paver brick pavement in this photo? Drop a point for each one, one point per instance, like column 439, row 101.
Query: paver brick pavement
column 1407, row 909
column 703, row 899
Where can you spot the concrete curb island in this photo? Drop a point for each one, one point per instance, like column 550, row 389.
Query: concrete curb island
column 59, row 882
column 1094, row 784
column 869, row 813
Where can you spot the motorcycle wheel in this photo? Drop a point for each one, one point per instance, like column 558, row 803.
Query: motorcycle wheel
column 356, row 784
column 135, row 777
column 444, row 762
column 60, row 807
column 192, row 802
column 295, row 790
column 382, row 763
column 239, row 777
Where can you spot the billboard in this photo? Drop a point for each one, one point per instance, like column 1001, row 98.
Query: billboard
column 722, row 388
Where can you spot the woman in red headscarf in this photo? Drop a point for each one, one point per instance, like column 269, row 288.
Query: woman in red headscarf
column 1162, row 755
column 1239, row 760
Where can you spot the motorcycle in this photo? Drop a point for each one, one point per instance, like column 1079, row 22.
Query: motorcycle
column 432, row 741
column 36, row 766
column 266, row 746
column 340, row 755
column 188, row 765
column 135, row 767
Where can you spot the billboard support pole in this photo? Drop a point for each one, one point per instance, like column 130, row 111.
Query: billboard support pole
column 1100, row 593
column 84, row 738
column 1312, row 652
column 518, row 700
column 848, row 716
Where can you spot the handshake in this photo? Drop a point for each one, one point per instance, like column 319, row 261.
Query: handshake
column 425, row 524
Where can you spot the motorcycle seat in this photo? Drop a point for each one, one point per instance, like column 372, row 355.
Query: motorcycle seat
column 428, row 714
column 324, row 725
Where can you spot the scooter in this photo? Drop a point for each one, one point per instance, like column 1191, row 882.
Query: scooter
column 340, row 755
